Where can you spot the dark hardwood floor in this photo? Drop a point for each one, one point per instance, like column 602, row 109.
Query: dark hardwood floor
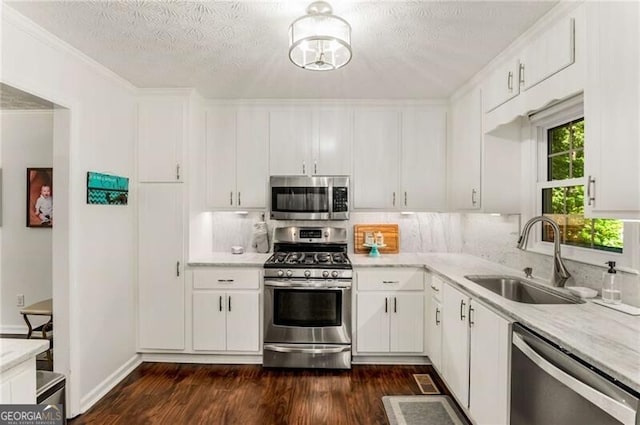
column 167, row 393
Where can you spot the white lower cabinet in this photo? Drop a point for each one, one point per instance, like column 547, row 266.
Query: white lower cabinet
column 475, row 357
column 390, row 311
column 489, row 366
column 226, row 309
column 434, row 322
column 18, row 384
column 226, row 321
column 161, row 300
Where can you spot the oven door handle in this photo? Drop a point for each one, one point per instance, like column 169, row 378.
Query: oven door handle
column 332, row 350
column 305, row 284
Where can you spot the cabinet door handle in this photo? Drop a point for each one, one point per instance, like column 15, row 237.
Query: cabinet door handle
column 473, row 197
column 590, row 199
column 386, row 305
column 304, row 168
column 435, row 288
column 177, row 171
column 395, row 304
column 225, row 280
column 462, row 310
column 231, row 198
column 178, row 268
column 394, row 199
column 390, row 281
column 229, row 302
column 315, row 167
column 220, row 304
column 437, row 313
column 510, row 81
column 521, row 72
column 471, row 310
column 239, row 202
column 405, row 199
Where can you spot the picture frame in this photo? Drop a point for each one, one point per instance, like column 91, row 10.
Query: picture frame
column 39, row 209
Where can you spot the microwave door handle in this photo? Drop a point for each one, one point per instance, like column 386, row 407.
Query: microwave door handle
column 618, row 410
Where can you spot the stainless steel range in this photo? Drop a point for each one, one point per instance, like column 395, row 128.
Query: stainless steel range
column 307, row 299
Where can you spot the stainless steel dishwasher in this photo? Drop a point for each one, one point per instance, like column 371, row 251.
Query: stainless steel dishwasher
column 552, row 387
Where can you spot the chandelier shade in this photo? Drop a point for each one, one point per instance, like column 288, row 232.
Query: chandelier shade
column 320, row 41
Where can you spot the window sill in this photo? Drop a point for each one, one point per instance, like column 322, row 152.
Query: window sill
column 586, row 256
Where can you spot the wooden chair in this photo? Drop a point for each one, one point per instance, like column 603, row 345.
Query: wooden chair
column 41, row 308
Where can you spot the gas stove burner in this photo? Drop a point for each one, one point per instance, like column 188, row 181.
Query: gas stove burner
column 279, row 257
column 338, row 257
column 294, row 258
column 323, row 257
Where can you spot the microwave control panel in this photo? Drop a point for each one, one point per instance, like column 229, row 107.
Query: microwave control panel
column 340, row 199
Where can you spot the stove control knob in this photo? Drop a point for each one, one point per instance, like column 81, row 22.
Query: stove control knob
column 334, row 273
column 289, row 273
column 325, row 274
column 307, row 273
column 280, row 273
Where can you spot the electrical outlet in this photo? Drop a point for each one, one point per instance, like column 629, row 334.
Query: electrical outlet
column 20, row 300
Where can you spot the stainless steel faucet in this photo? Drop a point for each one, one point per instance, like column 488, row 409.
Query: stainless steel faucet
column 560, row 273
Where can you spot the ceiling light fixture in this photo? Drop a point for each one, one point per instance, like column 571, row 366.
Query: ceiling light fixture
column 320, row 41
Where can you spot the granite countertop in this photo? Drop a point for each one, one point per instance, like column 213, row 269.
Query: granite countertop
column 15, row 351
column 605, row 338
column 228, row 259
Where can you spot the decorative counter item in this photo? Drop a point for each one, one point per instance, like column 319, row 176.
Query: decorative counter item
column 237, row 249
column 374, row 249
column 385, row 236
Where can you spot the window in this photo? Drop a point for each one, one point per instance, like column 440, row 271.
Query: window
column 563, row 194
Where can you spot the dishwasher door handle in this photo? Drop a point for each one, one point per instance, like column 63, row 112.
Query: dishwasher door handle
column 618, row 410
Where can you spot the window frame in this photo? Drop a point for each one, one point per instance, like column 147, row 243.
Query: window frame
column 539, row 124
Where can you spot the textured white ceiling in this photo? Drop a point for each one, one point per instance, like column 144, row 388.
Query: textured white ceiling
column 239, row 49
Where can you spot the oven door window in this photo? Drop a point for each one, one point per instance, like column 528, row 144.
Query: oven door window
column 300, row 199
column 307, row 307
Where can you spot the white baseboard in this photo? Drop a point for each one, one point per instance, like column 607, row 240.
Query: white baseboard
column 202, row 358
column 14, row 329
column 111, row 381
column 391, row 360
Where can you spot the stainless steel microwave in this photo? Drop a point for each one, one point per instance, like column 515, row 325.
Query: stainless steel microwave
column 309, row 198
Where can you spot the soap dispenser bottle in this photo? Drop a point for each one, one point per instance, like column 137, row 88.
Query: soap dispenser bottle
column 610, row 292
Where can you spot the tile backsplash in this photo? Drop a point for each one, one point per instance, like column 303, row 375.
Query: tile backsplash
column 482, row 235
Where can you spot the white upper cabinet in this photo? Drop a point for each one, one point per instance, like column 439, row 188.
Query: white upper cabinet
column 544, row 56
column 465, row 152
column 375, row 169
column 331, row 153
column 311, row 141
column 423, row 159
column 162, row 131
column 236, row 157
column 502, row 85
column 612, row 108
column 548, row 54
column 221, row 157
column 290, row 139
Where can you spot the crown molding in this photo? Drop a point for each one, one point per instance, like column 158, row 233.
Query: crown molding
column 563, row 8
column 326, row 102
column 10, row 15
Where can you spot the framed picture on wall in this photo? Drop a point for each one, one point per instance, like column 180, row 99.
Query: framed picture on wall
column 39, row 197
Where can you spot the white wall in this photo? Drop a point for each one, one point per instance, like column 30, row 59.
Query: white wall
column 26, row 140
column 94, row 259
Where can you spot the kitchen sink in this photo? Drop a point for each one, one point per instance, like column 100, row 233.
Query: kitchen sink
column 516, row 289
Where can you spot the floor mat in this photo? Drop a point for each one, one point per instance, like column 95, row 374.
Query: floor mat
column 422, row 410
column 425, row 383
